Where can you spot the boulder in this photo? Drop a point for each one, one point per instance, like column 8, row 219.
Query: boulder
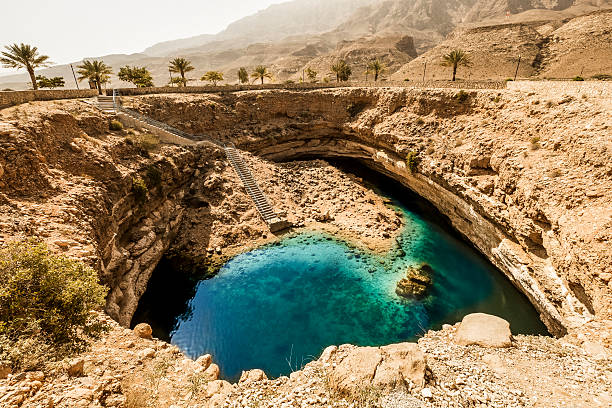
column 144, row 331
column 217, row 387
column 356, row 370
column 252, row 376
column 147, row 353
column 484, row 330
column 212, row 372
column 402, row 364
column 416, row 283
column 204, row 361
column 75, row 367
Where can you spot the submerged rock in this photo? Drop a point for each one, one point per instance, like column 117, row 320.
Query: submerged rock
column 416, row 283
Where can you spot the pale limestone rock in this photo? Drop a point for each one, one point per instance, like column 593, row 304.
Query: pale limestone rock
column 484, row 330
column 401, row 363
column 218, row 387
column 252, row 376
column 204, row 361
column 75, row 367
column 144, row 331
column 212, row 372
column 328, row 353
column 356, row 370
column 147, row 353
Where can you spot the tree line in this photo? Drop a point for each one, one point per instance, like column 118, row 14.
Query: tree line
column 97, row 73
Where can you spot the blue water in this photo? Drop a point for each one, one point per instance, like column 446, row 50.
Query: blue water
column 279, row 306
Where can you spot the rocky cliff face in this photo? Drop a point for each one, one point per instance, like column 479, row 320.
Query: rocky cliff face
column 525, row 178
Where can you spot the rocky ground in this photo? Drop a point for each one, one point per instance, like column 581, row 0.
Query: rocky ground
column 535, row 165
column 468, row 364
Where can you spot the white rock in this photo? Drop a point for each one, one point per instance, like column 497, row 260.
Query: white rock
column 426, row 393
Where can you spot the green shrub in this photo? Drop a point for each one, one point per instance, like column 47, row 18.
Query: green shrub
column 45, row 304
column 412, row 161
column 145, row 141
column 535, row 143
column 140, row 189
column 509, row 79
column 602, row 77
column 577, row 78
column 115, row 125
column 406, row 80
column 462, row 96
column 154, row 175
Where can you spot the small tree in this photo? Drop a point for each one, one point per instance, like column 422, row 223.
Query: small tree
column 454, row 59
column 342, row 71
column 377, row 68
column 139, row 76
column 181, row 66
column 213, row 76
column 96, row 73
column 24, row 56
column 311, row 74
column 243, row 75
column 55, row 82
column 261, row 72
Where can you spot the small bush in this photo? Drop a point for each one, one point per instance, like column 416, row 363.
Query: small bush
column 420, row 121
column 462, row 96
column 154, row 175
column 602, row 77
column 140, row 189
column 496, row 99
column 509, row 79
column 577, row 78
column 45, row 305
column 406, row 80
column 535, row 143
column 145, row 141
column 412, row 161
column 115, row 125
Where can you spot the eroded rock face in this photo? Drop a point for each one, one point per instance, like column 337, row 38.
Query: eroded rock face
column 484, row 330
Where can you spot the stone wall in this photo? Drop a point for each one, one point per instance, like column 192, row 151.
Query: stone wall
column 293, row 87
column 594, row 89
column 13, row 98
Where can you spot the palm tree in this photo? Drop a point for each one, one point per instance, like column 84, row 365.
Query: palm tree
column 261, row 72
column 24, row 56
column 96, row 72
column 377, row 67
column 181, row 66
column 454, row 59
column 243, row 75
column 342, row 71
column 213, row 76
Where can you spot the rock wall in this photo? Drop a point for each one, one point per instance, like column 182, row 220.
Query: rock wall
column 518, row 175
column 13, row 98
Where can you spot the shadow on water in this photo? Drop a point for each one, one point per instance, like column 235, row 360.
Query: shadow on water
column 278, row 306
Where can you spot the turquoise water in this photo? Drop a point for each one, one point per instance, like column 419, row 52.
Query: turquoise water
column 278, row 306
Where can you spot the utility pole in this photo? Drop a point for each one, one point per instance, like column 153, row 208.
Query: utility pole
column 517, row 67
column 75, row 80
column 424, row 68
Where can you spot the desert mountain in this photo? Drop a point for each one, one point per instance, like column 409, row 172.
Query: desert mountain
column 300, row 34
column 549, row 48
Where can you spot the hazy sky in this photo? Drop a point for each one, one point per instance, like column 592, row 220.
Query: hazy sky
column 69, row 30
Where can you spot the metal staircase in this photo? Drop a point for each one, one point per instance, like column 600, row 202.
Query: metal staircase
column 261, row 202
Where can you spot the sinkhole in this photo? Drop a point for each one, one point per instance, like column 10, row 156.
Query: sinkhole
column 278, row 306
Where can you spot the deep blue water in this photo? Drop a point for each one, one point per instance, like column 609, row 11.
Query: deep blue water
column 279, row 306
